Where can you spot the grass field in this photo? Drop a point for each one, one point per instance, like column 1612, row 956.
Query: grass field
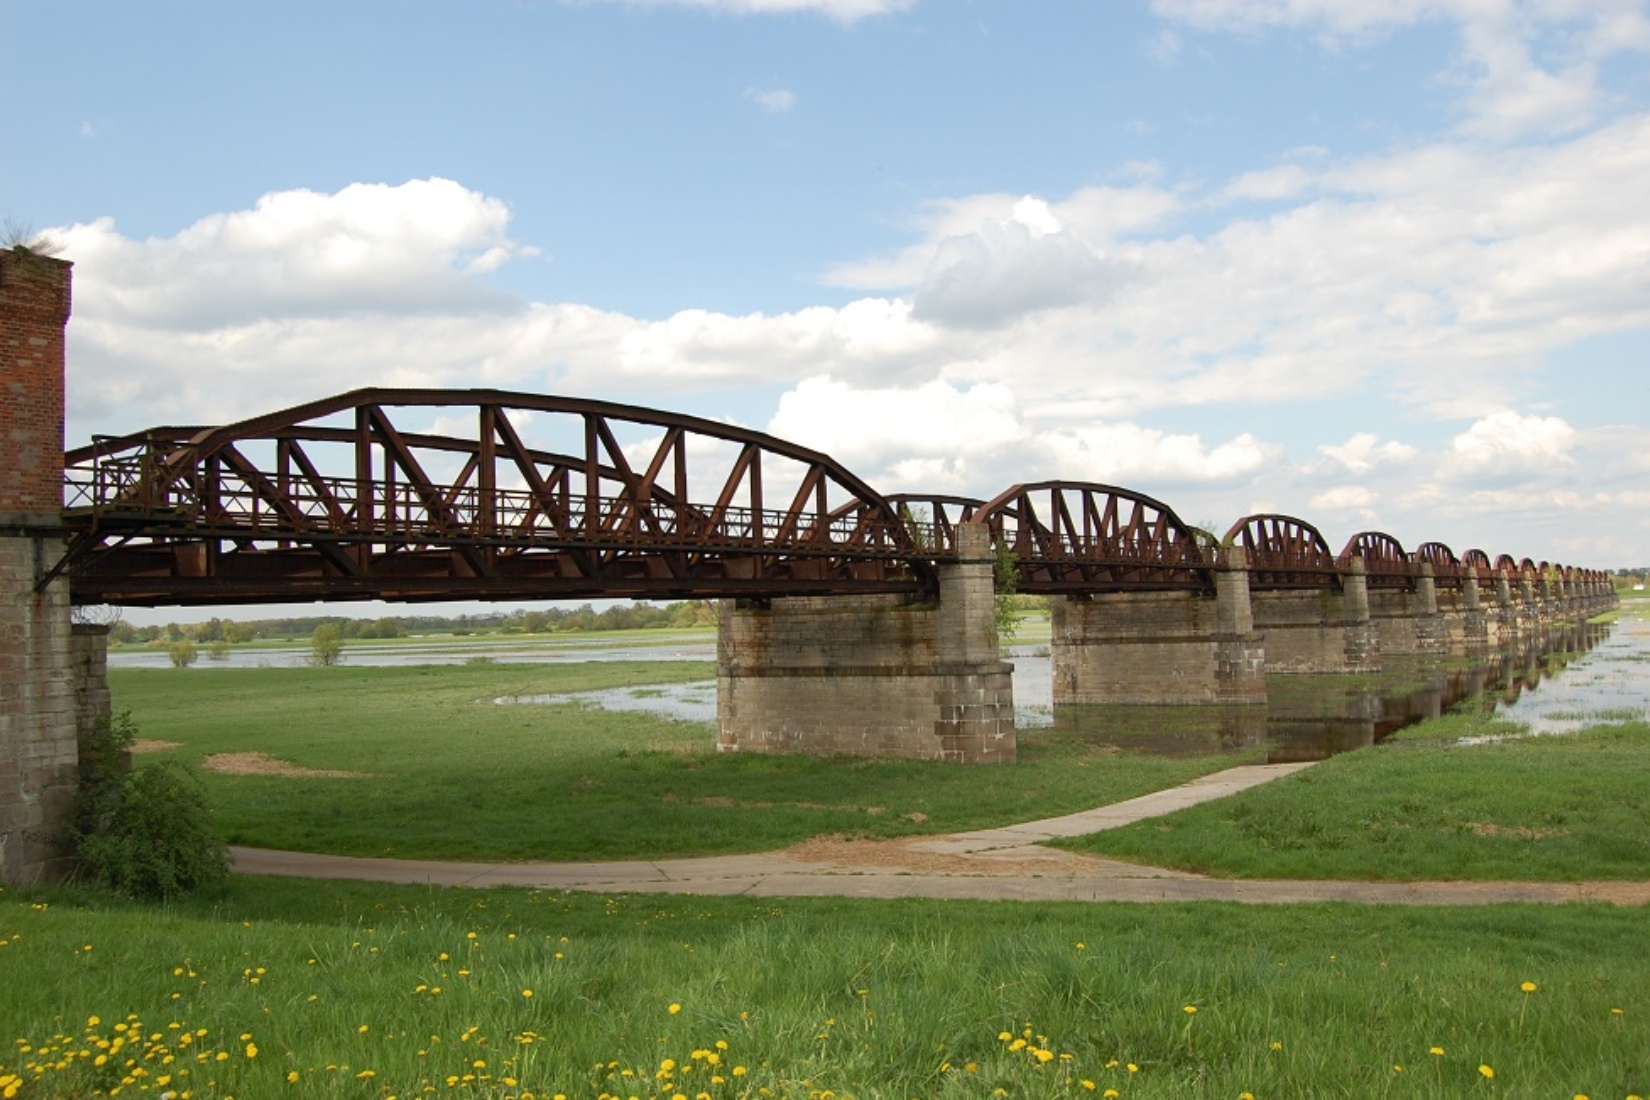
column 448, row 774
column 287, row 988
column 1426, row 807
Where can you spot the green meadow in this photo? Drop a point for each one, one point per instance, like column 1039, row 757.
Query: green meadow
column 445, row 772
column 289, row 988
column 298, row 988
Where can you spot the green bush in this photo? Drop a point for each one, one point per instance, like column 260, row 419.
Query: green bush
column 146, row 833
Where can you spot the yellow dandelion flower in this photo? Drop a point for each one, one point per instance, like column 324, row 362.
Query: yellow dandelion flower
column 1090, row 1085
column 252, row 1050
column 1438, row 1051
column 1487, row 1072
column 1190, row 1010
column 291, row 1076
column 1529, row 987
column 528, row 993
column 675, row 1008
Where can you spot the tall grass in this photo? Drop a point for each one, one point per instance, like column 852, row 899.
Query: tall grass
column 448, row 774
column 1463, row 796
column 515, row 993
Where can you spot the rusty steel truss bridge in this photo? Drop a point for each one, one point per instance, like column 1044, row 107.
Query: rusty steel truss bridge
column 344, row 498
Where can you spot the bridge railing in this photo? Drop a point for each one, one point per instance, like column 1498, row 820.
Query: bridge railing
column 125, row 491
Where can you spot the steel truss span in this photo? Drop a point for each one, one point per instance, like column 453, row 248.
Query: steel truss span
column 416, row 494
column 1283, row 552
column 1076, row 537
column 434, row 494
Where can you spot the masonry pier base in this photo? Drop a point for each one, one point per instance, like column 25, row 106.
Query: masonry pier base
column 888, row 676
column 1160, row 648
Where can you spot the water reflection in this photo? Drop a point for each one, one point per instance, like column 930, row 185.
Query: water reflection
column 1313, row 717
column 1307, row 717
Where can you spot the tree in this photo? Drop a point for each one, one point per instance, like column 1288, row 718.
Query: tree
column 326, row 645
column 1005, row 574
column 182, row 653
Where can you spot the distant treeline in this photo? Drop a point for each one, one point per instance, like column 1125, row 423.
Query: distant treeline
column 519, row 621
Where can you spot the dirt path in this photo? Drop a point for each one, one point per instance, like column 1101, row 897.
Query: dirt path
column 992, row 864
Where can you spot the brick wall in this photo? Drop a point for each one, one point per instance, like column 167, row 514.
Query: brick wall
column 40, row 698
column 34, row 308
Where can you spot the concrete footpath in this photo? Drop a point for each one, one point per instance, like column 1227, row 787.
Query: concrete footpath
column 1007, row 864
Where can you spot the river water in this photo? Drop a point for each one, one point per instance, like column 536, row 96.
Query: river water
column 1571, row 678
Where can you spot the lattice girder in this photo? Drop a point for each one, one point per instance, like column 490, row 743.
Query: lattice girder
column 341, row 499
column 1081, row 537
column 1284, row 553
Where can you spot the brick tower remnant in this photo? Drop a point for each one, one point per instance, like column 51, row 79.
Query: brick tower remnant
column 38, row 736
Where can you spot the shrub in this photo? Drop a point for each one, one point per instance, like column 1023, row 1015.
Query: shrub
column 182, row 653
column 326, row 645
column 145, row 833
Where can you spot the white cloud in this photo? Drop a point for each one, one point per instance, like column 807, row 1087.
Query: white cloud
column 1005, row 269
column 925, row 429
column 370, row 247
column 775, row 101
column 1364, row 451
column 1508, row 91
column 1508, row 444
column 1347, row 498
column 1131, row 454
column 844, row 11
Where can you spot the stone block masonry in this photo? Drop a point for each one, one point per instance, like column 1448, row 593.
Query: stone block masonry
column 885, row 676
column 1160, row 648
column 39, row 708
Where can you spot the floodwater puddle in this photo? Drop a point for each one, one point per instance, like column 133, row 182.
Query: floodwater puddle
column 1569, row 678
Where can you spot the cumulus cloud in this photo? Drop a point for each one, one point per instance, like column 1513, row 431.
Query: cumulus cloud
column 367, row 248
column 844, row 11
column 1364, row 451
column 1347, row 498
column 1509, row 90
column 1005, row 269
column 775, row 101
column 926, row 433
column 1131, row 454
column 1507, row 443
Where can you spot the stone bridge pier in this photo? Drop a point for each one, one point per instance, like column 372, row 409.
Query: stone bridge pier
column 1407, row 621
column 1320, row 630
column 889, row 676
column 1466, row 621
column 52, row 681
column 1160, row 647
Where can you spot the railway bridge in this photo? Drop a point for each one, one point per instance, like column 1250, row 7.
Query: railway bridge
column 850, row 621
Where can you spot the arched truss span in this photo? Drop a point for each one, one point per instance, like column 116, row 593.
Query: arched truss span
column 1284, row 552
column 932, row 518
column 1508, row 565
column 1072, row 537
column 1446, row 567
column 444, row 494
column 1386, row 565
column 1475, row 563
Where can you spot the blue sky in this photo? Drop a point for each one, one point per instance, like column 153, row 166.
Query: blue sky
column 1376, row 264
